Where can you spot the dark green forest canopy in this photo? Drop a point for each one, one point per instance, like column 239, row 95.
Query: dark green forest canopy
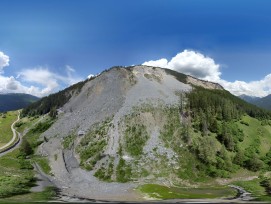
column 223, row 105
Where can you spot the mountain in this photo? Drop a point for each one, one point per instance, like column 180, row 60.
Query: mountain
column 250, row 99
column 131, row 126
column 264, row 102
column 14, row 101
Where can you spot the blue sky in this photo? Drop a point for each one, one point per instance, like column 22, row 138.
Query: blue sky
column 68, row 40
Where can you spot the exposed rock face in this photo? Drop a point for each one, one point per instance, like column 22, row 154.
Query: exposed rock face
column 117, row 107
column 204, row 84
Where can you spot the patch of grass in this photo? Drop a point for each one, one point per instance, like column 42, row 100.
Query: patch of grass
column 43, row 162
column 105, row 173
column 5, row 130
column 17, row 175
column 48, row 194
column 135, row 138
column 93, row 143
column 33, row 135
column 68, row 141
column 42, row 126
column 123, row 171
column 164, row 192
column 13, row 178
column 257, row 137
column 11, row 185
column 26, row 122
column 152, row 77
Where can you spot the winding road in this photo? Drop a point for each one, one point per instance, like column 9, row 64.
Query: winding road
column 4, row 149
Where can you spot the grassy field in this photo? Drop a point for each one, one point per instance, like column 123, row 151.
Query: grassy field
column 48, row 194
column 43, row 163
column 5, row 122
column 163, row 192
column 255, row 135
column 16, row 172
column 25, row 123
column 13, row 178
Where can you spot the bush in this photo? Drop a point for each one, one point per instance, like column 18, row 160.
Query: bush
column 124, row 171
column 135, row 139
column 244, row 123
column 10, row 185
column 42, row 127
column 25, row 148
column 254, row 163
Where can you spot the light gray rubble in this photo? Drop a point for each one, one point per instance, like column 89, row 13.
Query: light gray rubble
column 113, row 94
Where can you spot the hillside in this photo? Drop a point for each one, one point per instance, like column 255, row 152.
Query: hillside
column 132, row 127
column 264, row 102
column 15, row 101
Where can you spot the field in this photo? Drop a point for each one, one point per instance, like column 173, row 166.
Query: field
column 17, row 176
column 6, row 119
column 163, row 192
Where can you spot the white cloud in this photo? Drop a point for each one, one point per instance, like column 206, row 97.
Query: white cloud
column 258, row 88
column 203, row 67
column 39, row 81
column 191, row 63
column 50, row 81
column 157, row 63
column 90, row 76
column 4, row 61
column 11, row 85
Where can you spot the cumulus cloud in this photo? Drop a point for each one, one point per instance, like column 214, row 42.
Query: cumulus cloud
column 4, row 61
column 258, row 88
column 39, row 81
column 11, row 85
column 196, row 64
column 192, row 63
column 49, row 80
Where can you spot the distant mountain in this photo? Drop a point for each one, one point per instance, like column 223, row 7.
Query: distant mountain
column 264, row 102
column 249, row 99
column 14, row 101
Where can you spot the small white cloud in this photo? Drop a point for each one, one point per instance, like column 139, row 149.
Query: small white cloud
column 191, row 63
column 71, row 77
column 157, row 63
column 4, row 61
column 90, row 76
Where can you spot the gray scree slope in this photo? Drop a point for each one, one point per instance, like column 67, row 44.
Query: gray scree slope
column 112, row 94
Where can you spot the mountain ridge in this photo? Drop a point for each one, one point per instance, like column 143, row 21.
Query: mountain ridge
column 138, row 125
column 14, row 101
column 262, row 102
